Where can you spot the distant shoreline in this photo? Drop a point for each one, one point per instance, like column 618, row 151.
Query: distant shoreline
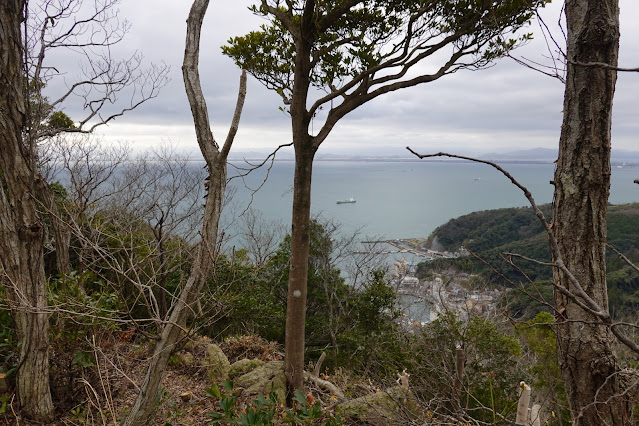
column 416, row 160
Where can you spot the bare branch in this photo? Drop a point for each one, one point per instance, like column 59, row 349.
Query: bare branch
column 602, row 65
column 623, row 257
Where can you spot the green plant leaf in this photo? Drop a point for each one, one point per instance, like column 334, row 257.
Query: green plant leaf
column 213, row 392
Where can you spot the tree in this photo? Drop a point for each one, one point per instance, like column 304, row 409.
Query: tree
column 21, row 229
column 491, row 371
column 259, row 237
column 597, row 392
column 349, row 53
column 29, row 117
column 205, row 257
column 86, row 166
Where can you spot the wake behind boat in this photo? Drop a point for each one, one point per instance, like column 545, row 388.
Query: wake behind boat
column 348, row 201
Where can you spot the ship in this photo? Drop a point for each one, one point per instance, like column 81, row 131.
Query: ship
column 348, row 201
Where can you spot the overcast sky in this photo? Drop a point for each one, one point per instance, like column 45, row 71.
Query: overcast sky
column 504, row 107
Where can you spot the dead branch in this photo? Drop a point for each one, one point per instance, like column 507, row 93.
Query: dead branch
column 325, row 384
column 623, row 257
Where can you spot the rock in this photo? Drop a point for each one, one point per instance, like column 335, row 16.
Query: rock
column 217, row 364
column 185, row 359
column 393, row 406
column 244, row 366
column 264, row 379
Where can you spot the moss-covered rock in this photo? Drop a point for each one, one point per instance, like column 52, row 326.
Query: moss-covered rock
column 185, row 359
column 244, row 366
column 217, row 364
column 395, row 405
column 264, row 379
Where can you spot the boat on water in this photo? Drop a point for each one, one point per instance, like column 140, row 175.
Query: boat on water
column 348, row 201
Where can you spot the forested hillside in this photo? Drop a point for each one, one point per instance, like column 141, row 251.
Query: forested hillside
column 490, row 233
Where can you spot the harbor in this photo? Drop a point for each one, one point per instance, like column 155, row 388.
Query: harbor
column 415, row 246
column 424, row 300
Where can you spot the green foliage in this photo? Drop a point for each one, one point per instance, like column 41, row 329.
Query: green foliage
column 90, row 310
column 348, row 42
column 355, row 325
column 80, row 318
column 59, row 121
column 372, row 340
column 42, row 115
column 517, row 230
column 245, row 295
column 492, row 367
column 4, row 400
column 253, row 294
column 161, row 265
column 265, row 410
column 540, row 343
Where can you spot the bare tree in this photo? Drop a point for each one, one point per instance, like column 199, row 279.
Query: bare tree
column 86, row 33
column 112, row 200
column 167, row 195
column 205, row 257
column 259, row 237
column 86, row 168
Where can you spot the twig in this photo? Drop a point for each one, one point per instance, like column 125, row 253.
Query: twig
column 603, row 65
column 623, row 257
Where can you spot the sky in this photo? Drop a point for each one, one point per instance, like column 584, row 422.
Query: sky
column 505, row 107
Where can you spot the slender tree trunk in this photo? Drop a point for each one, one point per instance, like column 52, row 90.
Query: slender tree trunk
column 298, row 275
column 186, row 304
column 21, row 227
column 305, row 148
column 582, row 182
column 60, row 228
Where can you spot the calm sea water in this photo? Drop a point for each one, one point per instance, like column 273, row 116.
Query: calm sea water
column 406, row 199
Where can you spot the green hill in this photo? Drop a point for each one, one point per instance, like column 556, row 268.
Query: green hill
column 490, row 233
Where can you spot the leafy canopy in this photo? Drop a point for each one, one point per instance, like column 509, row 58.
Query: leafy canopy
column 356, row 45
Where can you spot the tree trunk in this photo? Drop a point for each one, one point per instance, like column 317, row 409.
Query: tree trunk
column 21, row 227
column 298, row 275
column 582, row 183
column 185, row 306
column 305, row 148
column 59, row 227
column 145, row 403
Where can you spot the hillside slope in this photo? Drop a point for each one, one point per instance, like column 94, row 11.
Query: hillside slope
column 517, row 230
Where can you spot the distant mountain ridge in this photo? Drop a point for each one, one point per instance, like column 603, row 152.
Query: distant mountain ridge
column 546, row 155
column 533, row 155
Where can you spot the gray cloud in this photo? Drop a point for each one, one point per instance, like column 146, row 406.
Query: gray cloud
column 504, row 106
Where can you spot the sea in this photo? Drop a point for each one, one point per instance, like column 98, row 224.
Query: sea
column 402, row 199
